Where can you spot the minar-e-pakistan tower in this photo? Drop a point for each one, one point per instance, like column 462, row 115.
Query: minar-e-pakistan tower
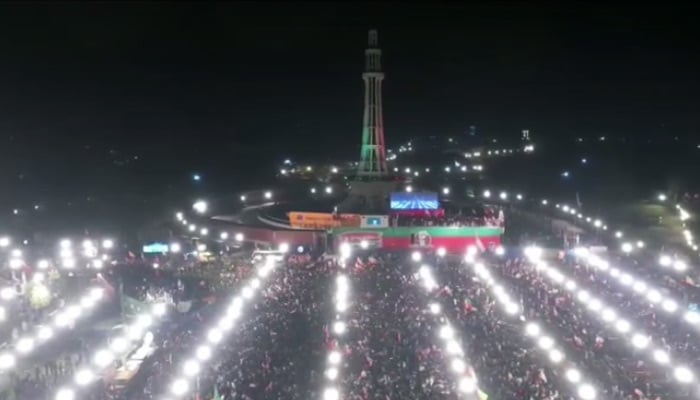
column 373, row 153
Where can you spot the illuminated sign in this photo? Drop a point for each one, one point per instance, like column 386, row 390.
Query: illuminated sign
column 414, row 201
column 155, row 248
column 309, row 220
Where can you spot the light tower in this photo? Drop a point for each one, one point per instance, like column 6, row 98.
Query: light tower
column 373, row 152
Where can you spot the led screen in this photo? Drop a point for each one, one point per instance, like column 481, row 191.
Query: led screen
column 155, row 248
column 414, row 201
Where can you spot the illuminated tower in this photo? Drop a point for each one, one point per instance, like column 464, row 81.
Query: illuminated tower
column 373, row 153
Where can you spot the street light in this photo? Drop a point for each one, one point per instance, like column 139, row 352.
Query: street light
column 662, row 197
column 200, row 206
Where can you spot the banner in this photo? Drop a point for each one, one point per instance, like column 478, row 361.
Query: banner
column 373, row 238
column 131, row 306
column 311, row 220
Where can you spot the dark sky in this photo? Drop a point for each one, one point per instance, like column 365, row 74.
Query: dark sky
column 181, row 84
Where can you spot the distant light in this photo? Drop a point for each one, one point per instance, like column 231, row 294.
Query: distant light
column 519, row 196
column 565, row 174
column 15, row 211
column 201, row 247
column 503, row 195
column 640, row 244
column 329, row 190
column 446, row 190
column 583, row 161
column 268, row 195
column 242, row 197
column 662, row 197
column 4, row 241
column 364, row 244
column 441, row 252
column 197, row 177
column 409, row 188
column 618, row 234
column 334, row 170
column 627, row 247
column 544, row 202
column 416, row 256
column 65, row 394
column 487, row 193
column 107, row 243
column 200, row 206
column 284, row 247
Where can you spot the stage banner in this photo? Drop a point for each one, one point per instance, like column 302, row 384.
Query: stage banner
column 311, row 220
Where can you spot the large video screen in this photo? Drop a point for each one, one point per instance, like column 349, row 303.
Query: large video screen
column 414, row 201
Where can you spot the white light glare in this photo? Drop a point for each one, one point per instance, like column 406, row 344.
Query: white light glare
column 200, row 206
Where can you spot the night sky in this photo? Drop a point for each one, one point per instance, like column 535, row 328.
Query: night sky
column 163, row 89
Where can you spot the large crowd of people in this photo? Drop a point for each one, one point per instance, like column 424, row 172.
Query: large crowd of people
column 390, row 350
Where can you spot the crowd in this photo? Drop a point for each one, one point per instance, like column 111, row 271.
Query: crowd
column 391, row 345
column 389, row 352
column 622, row 373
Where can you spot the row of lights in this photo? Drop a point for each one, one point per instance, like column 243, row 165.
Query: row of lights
column 118, row 346
column 204, row 231
column 640, row 340
column 687, row 235
column 339, row 328
column 66, row 317
column 66, row 257
column 638, row 286
column 545, row 343
column 466, row 378
column 181, row 385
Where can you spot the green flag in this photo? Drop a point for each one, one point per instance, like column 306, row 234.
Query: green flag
column 217, row 396
column 483, row 395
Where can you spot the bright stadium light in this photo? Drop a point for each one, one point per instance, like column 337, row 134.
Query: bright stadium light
column 662, row 197
column 4, row 241
column 409, row 189
column 446, row 190
column 238, row 237
column 268, row 195
column 65, row 394
column 200, row 206
column 638, row 339
column 441, row 252
column 503, row 195
column 627, row 247
column 416, row 256
column 107, row 244
column 545, row 343
column 284, row 247
column 345, row 250
column 487, row 193
column 215, row 335
column 175, row 247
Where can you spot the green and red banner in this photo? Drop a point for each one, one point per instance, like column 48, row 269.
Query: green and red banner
column 453, row 239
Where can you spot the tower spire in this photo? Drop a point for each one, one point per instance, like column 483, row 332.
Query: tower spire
column 373, row 152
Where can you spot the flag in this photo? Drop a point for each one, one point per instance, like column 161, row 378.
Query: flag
column 129, row 305
column 483, row 395
column 217, row 396
column 690, row 282
column 480, row 244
